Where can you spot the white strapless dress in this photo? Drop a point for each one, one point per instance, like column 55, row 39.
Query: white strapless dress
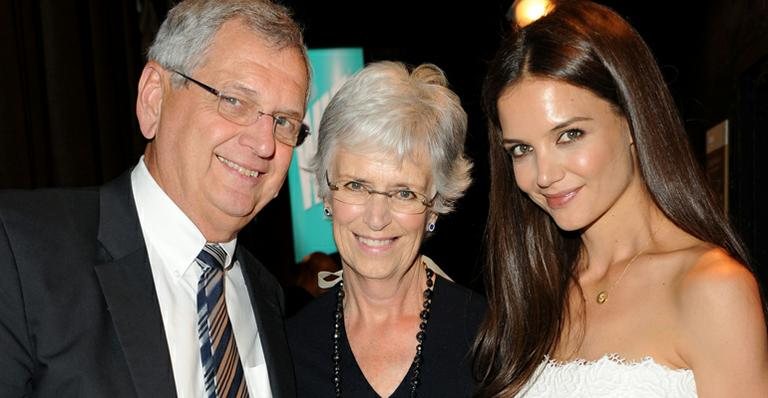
column 609, row 377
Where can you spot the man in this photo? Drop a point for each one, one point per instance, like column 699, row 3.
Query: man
column 116, row 291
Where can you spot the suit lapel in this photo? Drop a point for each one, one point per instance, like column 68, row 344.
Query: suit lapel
column 266, row 300
column 129, row 290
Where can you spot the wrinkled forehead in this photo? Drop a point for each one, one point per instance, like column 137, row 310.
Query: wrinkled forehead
column 395, row 156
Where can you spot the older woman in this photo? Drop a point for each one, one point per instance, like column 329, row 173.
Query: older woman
column 390, row 160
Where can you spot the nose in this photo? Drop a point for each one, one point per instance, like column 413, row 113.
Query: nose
column 377, row 213
column 549, row 169
column 259, row 136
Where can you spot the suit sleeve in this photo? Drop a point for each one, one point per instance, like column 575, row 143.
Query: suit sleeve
column 15, row 347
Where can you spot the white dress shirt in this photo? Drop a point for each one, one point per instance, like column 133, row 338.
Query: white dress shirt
column 173, row 242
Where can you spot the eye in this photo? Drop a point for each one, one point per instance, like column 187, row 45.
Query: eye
column 354, row 186
column 518, row 150
column 229, row 100
column 283, row 121
column 570, row 135
column 405, row 195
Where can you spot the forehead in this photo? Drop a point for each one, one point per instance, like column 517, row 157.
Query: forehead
column 238, row 55
column 546, row 102
column 381, row 167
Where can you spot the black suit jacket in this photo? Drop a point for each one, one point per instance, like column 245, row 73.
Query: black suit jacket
column 79, row 315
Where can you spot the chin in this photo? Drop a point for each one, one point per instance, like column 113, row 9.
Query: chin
column 240, row 210
column 569, row 225
column 373, row 269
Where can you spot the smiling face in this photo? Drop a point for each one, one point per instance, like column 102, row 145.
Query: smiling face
column 571, row 151
column 373, row 241
column 218, row 172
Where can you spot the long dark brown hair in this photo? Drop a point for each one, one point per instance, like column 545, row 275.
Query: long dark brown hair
column 531, row 262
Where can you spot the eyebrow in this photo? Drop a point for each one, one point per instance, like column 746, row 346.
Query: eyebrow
column 569, row 122
column 240, row 88
column 254, row 95
column 399, row 185
column 556, row 128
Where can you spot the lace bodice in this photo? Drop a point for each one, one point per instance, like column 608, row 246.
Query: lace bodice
column 608, row 377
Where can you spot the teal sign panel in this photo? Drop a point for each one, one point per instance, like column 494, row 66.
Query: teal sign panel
column 311, row 229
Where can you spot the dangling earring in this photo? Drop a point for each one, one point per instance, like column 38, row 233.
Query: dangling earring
column 431, row 227
column 327, row 211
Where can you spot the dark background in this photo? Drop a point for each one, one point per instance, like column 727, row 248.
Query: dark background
column 70, row 68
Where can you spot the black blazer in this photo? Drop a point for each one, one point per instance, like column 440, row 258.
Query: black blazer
column 79, row 315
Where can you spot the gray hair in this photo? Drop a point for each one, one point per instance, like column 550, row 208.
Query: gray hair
column 387, row 108
column 184, row 37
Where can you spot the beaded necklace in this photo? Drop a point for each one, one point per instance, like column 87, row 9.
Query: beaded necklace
column 338, row 321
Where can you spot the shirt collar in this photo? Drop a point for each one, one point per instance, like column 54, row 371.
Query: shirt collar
column 174, row 236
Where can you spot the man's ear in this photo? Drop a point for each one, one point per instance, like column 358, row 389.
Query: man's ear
column 149, row 100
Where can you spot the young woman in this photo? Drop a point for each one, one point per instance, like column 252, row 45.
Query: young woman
column 611, row 270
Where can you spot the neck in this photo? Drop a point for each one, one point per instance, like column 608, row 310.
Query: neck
column 422, row 317
column 377, row 300
column 610, row 241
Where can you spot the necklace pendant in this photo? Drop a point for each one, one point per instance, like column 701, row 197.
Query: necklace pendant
column 602, row 297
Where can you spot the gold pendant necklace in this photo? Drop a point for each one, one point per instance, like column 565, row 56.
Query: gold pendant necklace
column 602, row 296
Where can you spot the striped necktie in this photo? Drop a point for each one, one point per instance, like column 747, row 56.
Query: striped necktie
column 222, row 371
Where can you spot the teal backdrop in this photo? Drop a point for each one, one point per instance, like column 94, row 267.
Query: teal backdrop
column 311, row 229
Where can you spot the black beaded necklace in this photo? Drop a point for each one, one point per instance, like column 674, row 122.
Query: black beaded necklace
column 338, row 320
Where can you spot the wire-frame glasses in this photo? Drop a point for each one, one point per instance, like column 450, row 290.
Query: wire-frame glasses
column 240, row 110
column 400, row 200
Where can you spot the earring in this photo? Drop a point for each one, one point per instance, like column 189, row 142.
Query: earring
column 431, row 227
column 327, row 211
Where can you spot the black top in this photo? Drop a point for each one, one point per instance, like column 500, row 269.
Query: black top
column 296, row 297
column 446, row 371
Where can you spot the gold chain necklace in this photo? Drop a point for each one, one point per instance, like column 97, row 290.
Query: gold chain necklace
column 602, row 296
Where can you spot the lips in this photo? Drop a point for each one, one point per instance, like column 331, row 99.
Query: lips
column 559, row 200
column 240, row 169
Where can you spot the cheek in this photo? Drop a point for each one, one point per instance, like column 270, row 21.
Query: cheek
column 414, row 228
column 587, row 163
column 279, row 169
column 415, row 225
column 525, row 175
column 197, row 140
column 340, row 229
column 283, row 154
column 594, row 161
column 342, row 216
column 180, row 153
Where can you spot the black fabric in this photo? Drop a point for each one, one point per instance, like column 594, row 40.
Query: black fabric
column 446, row 370
column 296, row 297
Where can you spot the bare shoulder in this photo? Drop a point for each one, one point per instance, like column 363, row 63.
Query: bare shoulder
column 715, row 293
column 712, row 277
column 721, row 318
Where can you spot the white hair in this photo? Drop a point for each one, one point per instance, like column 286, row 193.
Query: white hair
column 388, row 108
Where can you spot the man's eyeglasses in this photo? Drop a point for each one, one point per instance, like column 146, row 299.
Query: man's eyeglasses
column 401, row 200
column 238, row 109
